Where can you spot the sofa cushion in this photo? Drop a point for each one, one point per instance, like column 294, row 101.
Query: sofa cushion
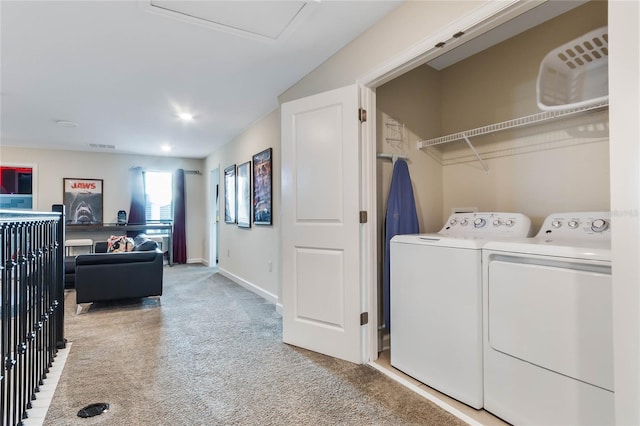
column 116, row 258
column 142, row 243
column 119, row 244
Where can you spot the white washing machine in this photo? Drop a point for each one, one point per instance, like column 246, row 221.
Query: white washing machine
column 436, row 301
column 548, row 335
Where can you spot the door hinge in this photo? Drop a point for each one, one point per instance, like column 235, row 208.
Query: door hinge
column 363, row 216
column 364, row 318
column 362, row 115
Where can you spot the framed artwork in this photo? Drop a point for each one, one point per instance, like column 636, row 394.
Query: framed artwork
column 244, row 194
column 17, row 190
column 230, row 194
column 262, row 188
column 83, row 201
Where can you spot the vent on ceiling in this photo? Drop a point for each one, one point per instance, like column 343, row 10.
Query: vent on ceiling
column 261, row 20
column 101, row 146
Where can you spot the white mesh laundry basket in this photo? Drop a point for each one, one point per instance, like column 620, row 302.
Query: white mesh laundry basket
column 575, row 74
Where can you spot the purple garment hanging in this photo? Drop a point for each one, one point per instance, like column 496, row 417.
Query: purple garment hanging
column 401, row 218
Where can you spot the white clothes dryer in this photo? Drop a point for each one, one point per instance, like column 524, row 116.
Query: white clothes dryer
column 436, row 301
column 548, row 335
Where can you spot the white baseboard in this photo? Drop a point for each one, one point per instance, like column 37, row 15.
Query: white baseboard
column 40, row 406
column 251, row 287
column 197, row 260
column 437, row 401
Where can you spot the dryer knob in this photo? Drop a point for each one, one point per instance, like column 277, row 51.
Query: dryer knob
column 464, row 222
column 556, row 224
column 573, row 224
column 479, row 222
column 497, row 222
column 599, row 225
column 510, row 222
column 453, row 222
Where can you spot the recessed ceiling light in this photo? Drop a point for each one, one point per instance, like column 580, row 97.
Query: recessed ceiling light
column 185, row 116
column 66, row 123
column 166, row 148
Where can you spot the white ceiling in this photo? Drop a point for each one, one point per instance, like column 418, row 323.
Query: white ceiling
column 123, row 70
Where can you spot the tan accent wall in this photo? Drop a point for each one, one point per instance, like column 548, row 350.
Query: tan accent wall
column 251, row 256
column 540, row 170
column 114, row 169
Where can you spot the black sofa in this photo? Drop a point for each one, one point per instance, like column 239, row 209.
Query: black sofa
column 102, row 276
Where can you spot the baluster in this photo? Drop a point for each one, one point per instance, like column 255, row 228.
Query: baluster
column 30, row 312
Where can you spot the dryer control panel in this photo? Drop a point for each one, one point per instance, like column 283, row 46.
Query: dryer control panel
column 487, row 225
column 577, row 226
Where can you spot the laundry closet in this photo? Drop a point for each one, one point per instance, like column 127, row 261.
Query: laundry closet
column 546, row 166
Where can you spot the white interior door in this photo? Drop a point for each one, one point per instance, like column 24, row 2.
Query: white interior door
column 214, row 207
column 321, row 288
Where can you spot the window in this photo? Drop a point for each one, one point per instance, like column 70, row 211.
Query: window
column 157, row 188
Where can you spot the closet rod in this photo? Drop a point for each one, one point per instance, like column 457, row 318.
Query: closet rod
column 392, row 157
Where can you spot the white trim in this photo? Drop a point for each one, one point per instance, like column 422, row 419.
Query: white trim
column 196, row 260
column 404, row 382
column 487, row 16
column 624, row 152
column 270, row 297
column 368, row 246
column 39, row 407
column 298, row 19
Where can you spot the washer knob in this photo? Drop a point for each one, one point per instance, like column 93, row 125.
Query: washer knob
column 464, row 222
column 573, row 224
column 497, row 222
column 556, row 224
column 479, row 222
column 509, row 222
column 599, row 225
column 453, row 222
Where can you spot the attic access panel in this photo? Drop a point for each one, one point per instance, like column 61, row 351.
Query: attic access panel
column 267, row 21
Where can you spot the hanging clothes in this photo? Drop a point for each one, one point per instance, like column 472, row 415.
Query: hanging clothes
column 401, row 218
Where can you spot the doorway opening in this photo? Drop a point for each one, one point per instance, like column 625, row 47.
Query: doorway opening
column 440, row 94
column 214, row 216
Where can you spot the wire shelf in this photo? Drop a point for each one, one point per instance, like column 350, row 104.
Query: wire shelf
column 510, row 124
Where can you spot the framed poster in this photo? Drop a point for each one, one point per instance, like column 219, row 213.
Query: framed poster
column 244, row 194
column 262, row 188
column 230, row 194
column 83, row 201
column 17, row 190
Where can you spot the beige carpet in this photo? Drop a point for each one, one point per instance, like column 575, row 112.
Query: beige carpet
column 209, row 352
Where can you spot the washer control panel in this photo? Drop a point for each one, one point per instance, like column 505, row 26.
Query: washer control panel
column 487, row 225
column 577, row 225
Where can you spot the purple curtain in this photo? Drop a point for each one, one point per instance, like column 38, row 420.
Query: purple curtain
column 179, row 223
column 137, row 211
